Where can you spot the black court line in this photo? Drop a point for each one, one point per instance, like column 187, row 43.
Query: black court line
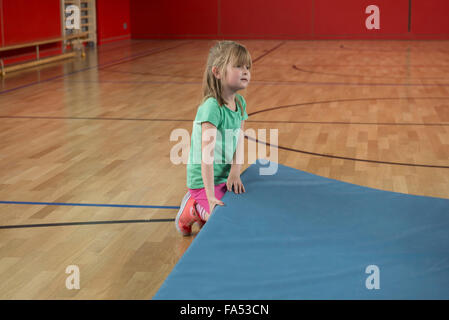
column 83, row 223
column 400, row 50
column 99, row 66
column 355, row 123
column 106, row 48
column 346, row 158
column 155, row 74
column 268, row 52
column 364, row 76
column 200, row 78
column 248, row 121
column 326, row 155
column 273, row 83
column 345, row 100
column 409, row 28
column 189, row 77
column 115, row 62
column 139, row 56
column 91, row 118
column 89, row 205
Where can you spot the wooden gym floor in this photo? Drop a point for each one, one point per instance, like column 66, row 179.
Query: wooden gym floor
column 97, row 131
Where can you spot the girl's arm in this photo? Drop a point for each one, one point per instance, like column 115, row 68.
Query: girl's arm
column 236, row 167
column 207, row 170
column 234, row 175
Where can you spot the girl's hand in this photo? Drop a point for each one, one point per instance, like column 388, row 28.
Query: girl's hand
column 234, row 181
column 212, row 203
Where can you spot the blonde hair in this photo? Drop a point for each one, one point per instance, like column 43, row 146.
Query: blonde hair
column 220, row 55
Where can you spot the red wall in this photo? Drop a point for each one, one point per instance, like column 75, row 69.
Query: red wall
column 2, row 37
column 111, row 16
column 261, row 19
column 430, row 17
column 26, row 21
column 346, row 18
column 171, row 18
column 31, row 20
column 287, row 19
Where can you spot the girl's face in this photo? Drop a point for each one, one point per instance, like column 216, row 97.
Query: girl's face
column 237, row 77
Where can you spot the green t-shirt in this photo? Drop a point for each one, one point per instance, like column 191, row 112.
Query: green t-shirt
column 228, row 125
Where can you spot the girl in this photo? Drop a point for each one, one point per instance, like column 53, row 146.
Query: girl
column 222, row 110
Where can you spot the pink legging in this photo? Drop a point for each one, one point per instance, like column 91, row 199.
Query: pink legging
column 200, row 195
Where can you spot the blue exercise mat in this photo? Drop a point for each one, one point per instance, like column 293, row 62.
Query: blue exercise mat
column 296, row 235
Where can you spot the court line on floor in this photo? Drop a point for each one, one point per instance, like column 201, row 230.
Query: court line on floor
column 340, row 157
column 265, row 82
column 136, row 82
column 247, row 121
column 114, row 62
column 89, row 205
column 155, row 74
column 293, row 66
column 198, row 79
column 268, row 52
column 277, row 83
column 346, row 158
column 140, row 55
column 349, row 123
column 92, row 118
column 109, row 46
column 99, row 66
column 195, row 77
column 363, row 76
column 79, row 223
column 390, row 50
column 346, row 100
column 273, row 83
column 314, row 83
column 376, row 49
column 315, row 65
